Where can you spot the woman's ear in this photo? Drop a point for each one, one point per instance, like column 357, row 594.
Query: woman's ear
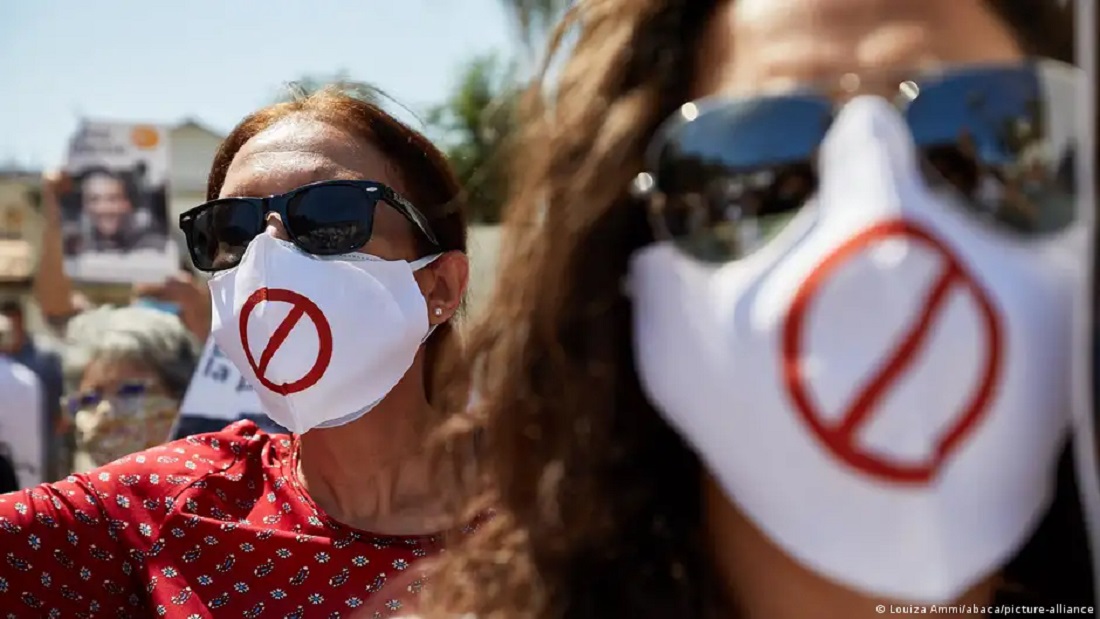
column 444, row 284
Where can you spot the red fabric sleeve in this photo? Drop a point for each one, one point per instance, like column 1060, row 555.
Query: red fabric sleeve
column 63, row 552
column 73, row 548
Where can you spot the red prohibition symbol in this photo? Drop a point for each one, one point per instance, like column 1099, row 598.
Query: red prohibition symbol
column 299, row 306
column 840, row 438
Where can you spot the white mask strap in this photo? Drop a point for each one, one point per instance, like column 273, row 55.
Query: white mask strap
column 416, row 265
column 431, row 330
column 420, row 263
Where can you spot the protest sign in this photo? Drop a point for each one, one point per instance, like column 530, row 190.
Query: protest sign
column 217, row 396
column 115, row 213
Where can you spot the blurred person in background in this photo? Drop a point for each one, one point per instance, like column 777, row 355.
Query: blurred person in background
column 32, row 352
column 22, row 425
column 57, row 301
column 53, row 289
column 339, row 251
column 129, row 368
column 735, row 432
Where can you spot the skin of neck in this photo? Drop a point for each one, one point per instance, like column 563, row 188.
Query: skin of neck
column 375, row 473
column 762, row 582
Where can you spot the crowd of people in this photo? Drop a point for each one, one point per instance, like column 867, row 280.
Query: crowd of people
column 699, row 389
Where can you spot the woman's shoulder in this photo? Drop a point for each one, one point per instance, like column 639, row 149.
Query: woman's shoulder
column 157, row 477
column 234, row 438
column 242, row 443
column 162, row 469
column 14, row 375
column 144, row 486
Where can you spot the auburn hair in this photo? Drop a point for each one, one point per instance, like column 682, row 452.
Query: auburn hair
column 427, row 178
column 597, row 499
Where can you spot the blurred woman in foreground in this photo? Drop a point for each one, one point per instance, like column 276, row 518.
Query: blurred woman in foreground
column 783, row 327
column 129, row 368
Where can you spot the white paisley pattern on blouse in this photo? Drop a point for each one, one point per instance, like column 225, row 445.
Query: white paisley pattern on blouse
column 209, row 526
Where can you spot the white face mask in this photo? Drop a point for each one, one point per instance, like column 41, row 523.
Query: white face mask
column 322, row 340
column 884, row 387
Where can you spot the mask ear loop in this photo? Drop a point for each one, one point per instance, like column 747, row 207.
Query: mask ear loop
column 416, row 265
column 1085, row 376
column 420, row 263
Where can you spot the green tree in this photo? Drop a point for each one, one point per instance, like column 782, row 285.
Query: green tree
column 474, row 127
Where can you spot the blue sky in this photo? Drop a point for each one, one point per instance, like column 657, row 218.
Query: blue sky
column 217, row 60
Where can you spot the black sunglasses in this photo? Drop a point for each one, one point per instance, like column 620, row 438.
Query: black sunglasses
column 325, row 218
column 724, row 175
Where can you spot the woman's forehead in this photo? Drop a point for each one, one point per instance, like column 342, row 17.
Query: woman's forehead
column 102, row 180
column 754, row 45
column 106, row 370
column 305, row 134
column 296, row 152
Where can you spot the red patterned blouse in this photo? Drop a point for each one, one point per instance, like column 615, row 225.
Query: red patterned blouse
column 214, row 525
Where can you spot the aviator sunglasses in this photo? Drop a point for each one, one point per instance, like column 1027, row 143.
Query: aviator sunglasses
column 325, row 219
column 723, row 175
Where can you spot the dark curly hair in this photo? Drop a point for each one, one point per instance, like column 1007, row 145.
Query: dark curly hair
column 598, row 501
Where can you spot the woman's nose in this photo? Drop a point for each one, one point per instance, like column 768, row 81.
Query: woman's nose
column 275, row 227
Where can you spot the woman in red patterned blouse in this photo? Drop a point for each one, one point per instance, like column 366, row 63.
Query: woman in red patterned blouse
column 333, row 295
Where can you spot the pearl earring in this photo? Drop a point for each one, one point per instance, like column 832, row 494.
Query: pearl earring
column 438, row 311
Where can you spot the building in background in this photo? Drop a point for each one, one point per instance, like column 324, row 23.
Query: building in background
column 20, row 226
column 192, row 151
column 484, row 245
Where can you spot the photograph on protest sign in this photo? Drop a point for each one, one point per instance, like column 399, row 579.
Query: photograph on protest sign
column 114, row 211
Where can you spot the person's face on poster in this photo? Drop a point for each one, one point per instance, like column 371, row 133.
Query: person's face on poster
column 106, row 203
